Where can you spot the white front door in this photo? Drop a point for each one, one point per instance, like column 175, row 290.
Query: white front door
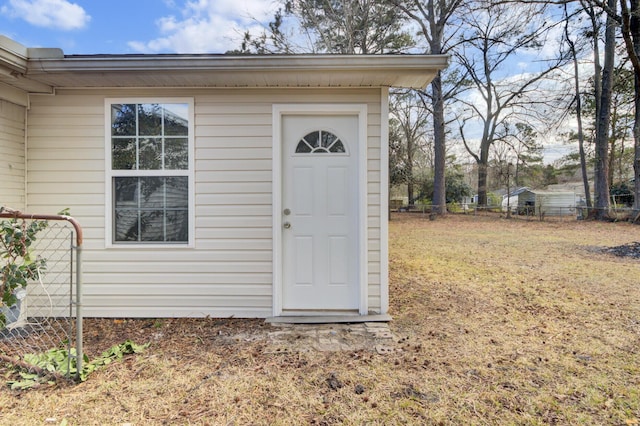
column 320, row 213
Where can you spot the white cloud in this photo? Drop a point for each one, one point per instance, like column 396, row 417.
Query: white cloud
column 208, row 26
column 57, row 14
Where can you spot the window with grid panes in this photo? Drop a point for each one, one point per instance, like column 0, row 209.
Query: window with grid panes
column 149, row 173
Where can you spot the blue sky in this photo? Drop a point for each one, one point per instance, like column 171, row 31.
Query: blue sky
column 133, row 26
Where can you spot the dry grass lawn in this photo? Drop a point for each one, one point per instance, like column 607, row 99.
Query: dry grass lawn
column 497, row 322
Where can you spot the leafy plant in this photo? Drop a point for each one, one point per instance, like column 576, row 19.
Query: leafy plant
column 622, row 193
column 18, row 266
column 64, row 362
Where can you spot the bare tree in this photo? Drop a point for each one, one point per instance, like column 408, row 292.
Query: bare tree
column 409, row 124
column 629, row 19
column 602, row 203
column 621, row 119
column 578, row 98
column 433, row 18
column 495, row 34
column 611, row 100
column 631, row 34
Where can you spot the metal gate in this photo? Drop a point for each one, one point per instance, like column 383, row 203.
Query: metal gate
column 40, row 268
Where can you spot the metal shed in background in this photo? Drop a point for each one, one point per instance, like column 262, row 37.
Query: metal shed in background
column 546, row 203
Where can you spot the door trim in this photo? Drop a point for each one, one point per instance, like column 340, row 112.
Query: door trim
column 278, row 111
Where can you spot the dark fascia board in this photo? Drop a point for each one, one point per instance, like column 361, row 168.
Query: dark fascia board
column 234, row 62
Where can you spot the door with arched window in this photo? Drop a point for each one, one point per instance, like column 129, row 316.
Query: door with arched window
column 320, row 213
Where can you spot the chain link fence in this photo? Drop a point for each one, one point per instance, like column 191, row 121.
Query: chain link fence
column 40, row 267
column 545, row 213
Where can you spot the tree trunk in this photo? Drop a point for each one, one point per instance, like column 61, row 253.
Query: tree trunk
column 576, row 79
column 482, row 185
column 612, row 161
column 439, row 148
column 410, row 196
column 483, row 172
column 634, row 28
column 583, row 166
column 636, row 141
column 612, row 145
column 409, row 170
column 601, row 184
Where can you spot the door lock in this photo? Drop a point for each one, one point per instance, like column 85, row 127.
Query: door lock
column 286, row 225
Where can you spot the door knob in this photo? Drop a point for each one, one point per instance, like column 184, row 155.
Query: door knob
column 286, row 225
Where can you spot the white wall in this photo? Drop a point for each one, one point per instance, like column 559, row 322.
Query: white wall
column 229, row 270
column 12, row 164
column 556, row 204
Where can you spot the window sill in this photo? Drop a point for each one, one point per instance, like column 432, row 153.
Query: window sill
column 158, row 246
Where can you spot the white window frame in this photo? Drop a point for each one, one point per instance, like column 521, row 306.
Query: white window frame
column 110, row 174
column 346, row 152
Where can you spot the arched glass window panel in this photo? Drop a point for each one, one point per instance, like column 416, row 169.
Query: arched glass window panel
column 320, row 141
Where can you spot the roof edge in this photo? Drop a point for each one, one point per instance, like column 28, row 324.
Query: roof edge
column 41, row 70
column 13, row 55
column 409, row 71
column 102, row 63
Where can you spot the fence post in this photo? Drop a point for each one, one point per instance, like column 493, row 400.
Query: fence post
column 79, row 353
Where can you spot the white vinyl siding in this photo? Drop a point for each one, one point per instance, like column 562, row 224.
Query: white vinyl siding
column 228, row 270
column 12, row 162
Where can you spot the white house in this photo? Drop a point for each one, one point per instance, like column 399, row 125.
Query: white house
column 252, row 186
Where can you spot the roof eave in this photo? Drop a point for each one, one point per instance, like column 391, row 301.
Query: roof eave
column 43, row 70
column 13, row 57
column 106, row 63
column 411, row 71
